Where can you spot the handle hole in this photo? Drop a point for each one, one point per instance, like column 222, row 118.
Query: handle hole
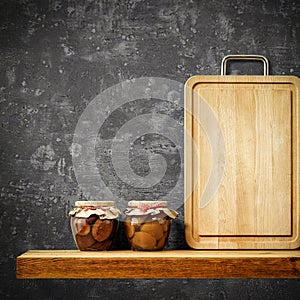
column 239, row 67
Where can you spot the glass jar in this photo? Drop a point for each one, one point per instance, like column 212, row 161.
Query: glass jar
column 147, row 224
column 94, row 224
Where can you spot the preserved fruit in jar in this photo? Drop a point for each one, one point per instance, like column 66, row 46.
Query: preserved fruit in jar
column 94, row 224
column 147, row 224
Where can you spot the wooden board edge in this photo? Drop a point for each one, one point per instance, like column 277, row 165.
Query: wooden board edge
column 195, row 79
column 295, row 243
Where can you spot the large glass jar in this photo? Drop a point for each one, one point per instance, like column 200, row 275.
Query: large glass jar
column 147, row 224
column 94, row 224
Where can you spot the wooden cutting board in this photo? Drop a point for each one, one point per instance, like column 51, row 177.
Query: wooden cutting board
column 242, row 161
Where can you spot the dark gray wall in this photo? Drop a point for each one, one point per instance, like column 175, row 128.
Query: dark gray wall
column 55, row 57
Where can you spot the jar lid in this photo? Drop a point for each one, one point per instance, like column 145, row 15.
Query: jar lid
column 103, row 209
column 148, row 204
column 94, row 203
column 138, row 208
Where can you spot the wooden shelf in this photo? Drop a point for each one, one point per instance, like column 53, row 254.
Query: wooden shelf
column 161, row 264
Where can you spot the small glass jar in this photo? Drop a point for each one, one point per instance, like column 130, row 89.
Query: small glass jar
column 147, row 224
column 94, row 224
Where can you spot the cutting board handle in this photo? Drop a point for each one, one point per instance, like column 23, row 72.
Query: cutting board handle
column 245, row 57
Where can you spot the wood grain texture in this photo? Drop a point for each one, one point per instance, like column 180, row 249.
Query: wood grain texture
column 162, row 264
column 256, row 206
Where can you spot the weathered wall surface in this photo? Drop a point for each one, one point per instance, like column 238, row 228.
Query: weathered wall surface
column 56, row 57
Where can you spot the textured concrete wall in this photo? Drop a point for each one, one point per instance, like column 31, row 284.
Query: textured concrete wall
column 56, row 57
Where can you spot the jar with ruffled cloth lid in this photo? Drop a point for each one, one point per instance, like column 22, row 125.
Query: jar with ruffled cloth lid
column 147, row 224
column 94, row 224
